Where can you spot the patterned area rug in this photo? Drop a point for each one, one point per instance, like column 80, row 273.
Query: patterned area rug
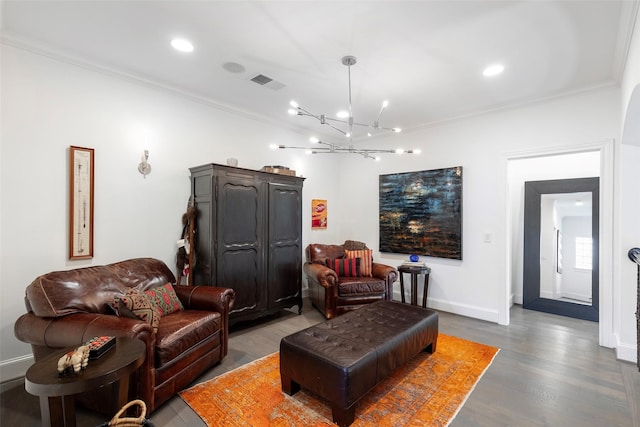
column 427, row 391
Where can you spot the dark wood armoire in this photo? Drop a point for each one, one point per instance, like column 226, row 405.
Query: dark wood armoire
column 248, row 237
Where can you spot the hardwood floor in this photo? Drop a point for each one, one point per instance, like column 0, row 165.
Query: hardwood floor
column 550, row 371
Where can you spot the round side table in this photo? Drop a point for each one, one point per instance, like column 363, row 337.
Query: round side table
column 57, row 403
column 415, row 270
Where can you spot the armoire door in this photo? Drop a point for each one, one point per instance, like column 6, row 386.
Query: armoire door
column 240, row 235
column 285, row 245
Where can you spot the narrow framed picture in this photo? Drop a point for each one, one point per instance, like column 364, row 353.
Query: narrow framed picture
column 318, row 214
column 81, row 171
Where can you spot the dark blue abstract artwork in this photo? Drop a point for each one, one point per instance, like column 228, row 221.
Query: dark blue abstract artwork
column 421, row 213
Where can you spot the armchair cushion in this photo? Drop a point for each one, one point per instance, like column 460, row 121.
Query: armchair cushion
column 347, row 267
column 366, row 256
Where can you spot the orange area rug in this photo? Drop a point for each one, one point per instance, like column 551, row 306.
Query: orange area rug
column 428, row 391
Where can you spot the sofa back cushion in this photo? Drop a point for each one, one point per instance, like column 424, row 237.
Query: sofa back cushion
column 87, row 290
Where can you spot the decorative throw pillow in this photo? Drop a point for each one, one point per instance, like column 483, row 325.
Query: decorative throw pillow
column 366, row 255
column 345, row 267
column 165, row 298
column 141, row 306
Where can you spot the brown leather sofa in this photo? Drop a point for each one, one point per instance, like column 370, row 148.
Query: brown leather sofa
column 334, row 295
column 67, row 308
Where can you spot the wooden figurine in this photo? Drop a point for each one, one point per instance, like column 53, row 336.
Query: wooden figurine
column 75, row 360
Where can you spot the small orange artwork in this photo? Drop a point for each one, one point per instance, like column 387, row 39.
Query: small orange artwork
column 318, row 214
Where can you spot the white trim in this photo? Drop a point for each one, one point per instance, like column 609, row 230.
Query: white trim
column 466, row 310
column 626, row 352
column 15, row 368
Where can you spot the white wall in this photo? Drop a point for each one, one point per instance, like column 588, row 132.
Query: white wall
column 627, row 204
column 477, row 285
column 48, row 105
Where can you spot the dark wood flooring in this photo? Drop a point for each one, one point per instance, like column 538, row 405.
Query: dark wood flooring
column 550, row 371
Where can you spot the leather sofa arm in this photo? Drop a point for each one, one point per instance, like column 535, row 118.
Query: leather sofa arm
column 385, row 272
column 76, row 329
column 321, row 274
column 206, row 298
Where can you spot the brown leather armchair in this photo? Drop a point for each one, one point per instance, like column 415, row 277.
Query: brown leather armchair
column 67, row 308
column 334, row 295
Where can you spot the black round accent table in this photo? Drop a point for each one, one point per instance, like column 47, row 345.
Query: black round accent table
column 57, row 403
column 415, row 270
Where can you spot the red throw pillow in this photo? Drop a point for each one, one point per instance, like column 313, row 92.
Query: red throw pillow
column 345, row 267
column 367, row 259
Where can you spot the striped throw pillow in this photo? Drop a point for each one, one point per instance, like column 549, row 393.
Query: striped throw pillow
column 366, row 256
column 345, row 267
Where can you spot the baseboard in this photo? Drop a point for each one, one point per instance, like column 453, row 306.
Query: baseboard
column 15, row 368
column 626, row 352
column 460, row 309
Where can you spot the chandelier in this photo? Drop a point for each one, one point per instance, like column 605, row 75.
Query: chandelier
column 344, row 123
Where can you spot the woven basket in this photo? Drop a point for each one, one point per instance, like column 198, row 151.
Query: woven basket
column 120, row 421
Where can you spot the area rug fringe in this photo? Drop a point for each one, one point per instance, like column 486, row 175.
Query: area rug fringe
column 455, row 414
column 429, row 391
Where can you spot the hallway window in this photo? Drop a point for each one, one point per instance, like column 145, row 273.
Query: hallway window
column 583, row 253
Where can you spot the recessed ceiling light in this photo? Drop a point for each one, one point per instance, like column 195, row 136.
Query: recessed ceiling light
column 183, row 45
column 493, row 70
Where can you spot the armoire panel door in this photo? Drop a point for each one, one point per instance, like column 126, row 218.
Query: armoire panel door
column 285, row 244
column 240, row 230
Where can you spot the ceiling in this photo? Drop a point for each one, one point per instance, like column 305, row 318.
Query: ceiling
column 425, row 57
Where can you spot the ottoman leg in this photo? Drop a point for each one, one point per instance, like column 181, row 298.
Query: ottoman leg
column 343, row 416
column 288, row 385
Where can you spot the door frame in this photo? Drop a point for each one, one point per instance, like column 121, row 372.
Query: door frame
column 531, row 299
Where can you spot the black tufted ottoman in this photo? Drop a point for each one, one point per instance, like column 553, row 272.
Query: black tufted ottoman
column 345, row 357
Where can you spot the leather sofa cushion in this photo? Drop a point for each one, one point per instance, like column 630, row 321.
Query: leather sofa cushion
column 359, row 286
column 180, row 331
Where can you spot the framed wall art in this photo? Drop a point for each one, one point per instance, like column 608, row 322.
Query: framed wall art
column 318, row 214
column 81, row 172
column 421, row 213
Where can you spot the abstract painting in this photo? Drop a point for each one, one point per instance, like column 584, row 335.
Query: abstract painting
column 421, row 213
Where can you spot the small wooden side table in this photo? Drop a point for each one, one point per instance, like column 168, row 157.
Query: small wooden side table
column 57, row 403
column 415, row 270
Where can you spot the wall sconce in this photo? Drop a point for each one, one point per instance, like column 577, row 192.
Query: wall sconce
column 144, row 167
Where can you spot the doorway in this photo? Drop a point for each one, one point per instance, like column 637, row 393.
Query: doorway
column 561, row 247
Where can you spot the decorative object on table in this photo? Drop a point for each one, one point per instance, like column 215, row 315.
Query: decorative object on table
column 121, row 421
column 100, row 345
column 74, row 361
column 346, row 120
column 414, row 258
column 282, row 170
column 144, row 167
column 634, row 255
column 421, row 213
column 233, row 162
column 318, row 214
column 81, row 172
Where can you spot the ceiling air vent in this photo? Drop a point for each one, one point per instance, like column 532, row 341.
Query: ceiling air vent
column 263, row 80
